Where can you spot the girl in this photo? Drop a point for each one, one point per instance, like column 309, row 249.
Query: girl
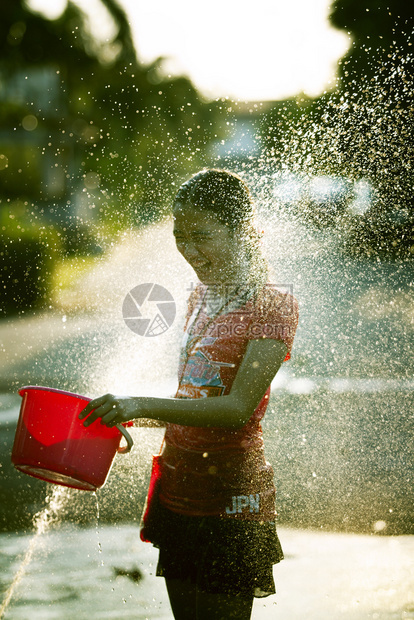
column 215, row 525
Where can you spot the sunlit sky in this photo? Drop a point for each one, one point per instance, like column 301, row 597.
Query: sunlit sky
column 265, row 50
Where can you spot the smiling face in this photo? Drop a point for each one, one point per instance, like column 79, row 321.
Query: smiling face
column 212, row 250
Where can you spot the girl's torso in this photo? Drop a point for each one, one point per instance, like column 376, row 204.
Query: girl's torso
column 221, row 471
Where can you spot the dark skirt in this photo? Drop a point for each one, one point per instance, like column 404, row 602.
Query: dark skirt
column 224, row 556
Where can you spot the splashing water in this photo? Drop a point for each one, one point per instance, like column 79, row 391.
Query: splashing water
column 42, row 522
column 98, row 525
column 359, row 134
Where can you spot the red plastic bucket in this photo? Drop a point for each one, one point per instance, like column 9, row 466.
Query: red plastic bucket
column 52, row 444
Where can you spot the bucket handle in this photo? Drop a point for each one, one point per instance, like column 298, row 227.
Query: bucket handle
column 130, row 443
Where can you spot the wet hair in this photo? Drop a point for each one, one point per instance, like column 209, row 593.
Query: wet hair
column 222, row 193
column 226, row 196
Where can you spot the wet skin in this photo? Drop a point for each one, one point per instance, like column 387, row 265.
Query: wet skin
column 216, row 254
column 209, row 246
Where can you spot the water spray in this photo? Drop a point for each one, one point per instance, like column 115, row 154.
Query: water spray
column 42, row 522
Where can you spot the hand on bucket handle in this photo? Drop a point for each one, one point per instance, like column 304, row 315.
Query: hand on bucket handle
column 129, row 440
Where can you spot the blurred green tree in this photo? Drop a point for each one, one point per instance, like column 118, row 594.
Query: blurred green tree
column 360, row 130
column 124, row 127
column 381, row 34
column 90, row 139
column 375, row 111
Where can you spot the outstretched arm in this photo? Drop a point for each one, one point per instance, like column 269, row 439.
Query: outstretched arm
column 260, row 364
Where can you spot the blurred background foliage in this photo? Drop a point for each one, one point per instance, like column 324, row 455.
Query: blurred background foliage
column 362, row 130
column 92, row 141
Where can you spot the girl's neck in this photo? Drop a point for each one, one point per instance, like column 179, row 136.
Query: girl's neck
column 249, row 277
column 232, row 295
